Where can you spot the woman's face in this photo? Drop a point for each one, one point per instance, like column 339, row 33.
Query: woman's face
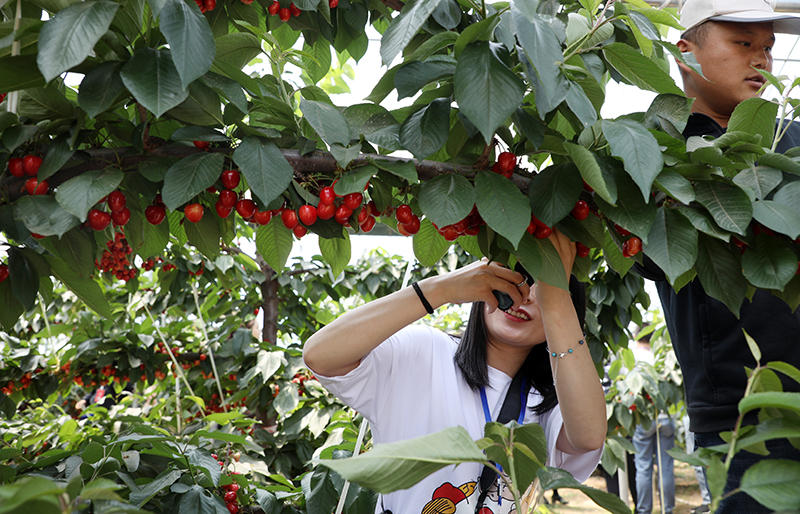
column 516, row 328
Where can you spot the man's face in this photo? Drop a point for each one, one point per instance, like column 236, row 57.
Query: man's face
column 728, row 55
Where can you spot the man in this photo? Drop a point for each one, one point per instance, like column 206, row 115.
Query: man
column 729, row 38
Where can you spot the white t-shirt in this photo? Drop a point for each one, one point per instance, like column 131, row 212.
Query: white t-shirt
column 410, row 386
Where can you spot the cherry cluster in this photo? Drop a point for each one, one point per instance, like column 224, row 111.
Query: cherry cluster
column 331, row 205
column 299, row 379
column 115, row 259
column 28, row 165
column 407, row 221
column 630, row 246
column 206, row 5
column 229, row 495
column 120, row 214
column 506, row 162
column 284, row 13
column 24, row 382
column 469, row 226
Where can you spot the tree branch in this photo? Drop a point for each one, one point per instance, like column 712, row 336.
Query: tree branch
column 125, row 158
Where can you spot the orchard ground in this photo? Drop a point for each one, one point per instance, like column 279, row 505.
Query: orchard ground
column 687, row 494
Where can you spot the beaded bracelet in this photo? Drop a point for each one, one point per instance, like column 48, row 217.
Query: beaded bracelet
column 561, row 355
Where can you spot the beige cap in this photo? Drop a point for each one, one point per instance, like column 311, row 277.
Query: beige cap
column 695, row 12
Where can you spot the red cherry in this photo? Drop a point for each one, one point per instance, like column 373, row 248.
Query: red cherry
column 229, row 497
column 531, row 227
column 289, row 218
column 402, row 229
column 228, row 198
column 116, row 201
column 581, row 249
column 232, row 487
column 3, row 272
column 202, row 145
column 15, row 166
column 300, row 231
column 621, row 231
column 373, row 209
column 230, row 179
column 98, row 220
column 155, row 214
column 333, row 3
column 403, row 214
column 121, row 217
column 343, row 214
column 543, row 232
column 412, row 227
column 37, row 236
column 194, row 212
column 326, row 195
column 274, row 8
column 31, row 163
column 223, row 211
column 368, row 224
column 353, row 200
column 232, row 508
column 634, row 246
column 263, row 217
column 449, row 233
column 246, row 208
column 325, row 211
column 307, row 214
column 587, row 187
column 34, row 187
column 284, row 14
column 625, row 252
column 295, row 10
column 581, row 210
column 507, row 162
column 210, row 4
column 363, row 214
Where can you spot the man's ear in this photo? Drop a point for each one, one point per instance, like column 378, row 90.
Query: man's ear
column 684, row 45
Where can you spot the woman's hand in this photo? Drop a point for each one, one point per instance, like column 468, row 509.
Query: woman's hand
column 476, row 282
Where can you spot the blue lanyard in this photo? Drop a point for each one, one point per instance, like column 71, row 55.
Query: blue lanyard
column 523, row 400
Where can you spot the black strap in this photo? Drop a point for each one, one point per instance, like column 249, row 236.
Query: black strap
column 510, row 410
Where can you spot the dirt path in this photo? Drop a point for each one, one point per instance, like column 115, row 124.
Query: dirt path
column 687, row 494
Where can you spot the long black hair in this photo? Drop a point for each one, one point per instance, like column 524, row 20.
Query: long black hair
column 471, row 353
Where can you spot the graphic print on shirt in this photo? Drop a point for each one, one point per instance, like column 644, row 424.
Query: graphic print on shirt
column 448, row 499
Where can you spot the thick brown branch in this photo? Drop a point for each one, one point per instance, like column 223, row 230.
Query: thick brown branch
column 125, row 158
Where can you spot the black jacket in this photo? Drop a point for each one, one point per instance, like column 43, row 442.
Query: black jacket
column 708, row 339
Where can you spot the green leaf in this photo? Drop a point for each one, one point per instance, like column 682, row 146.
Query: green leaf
column 768, row 265
column 447, row 198
column 702, row 221
column 579, row 103
column 395, row 466
column 486, row 90
column 669, row 109
column 154, row 238
column 326, row 119
column 317, row 59
column 555, row 478
column 45, row 103
column 672, row 243
column 404, row 27
column 336, row 252
column 631, row 212
column 57, row 155
column 638, row 150
column 79, row 194
column 543, row 52
column 773, row 483
column 198, row 134
column 761, row 179
column 780, row 161
column 425, row 132
column 755, row 116
column 429, row 246
column 43, row 215
column 229, row 88
column 772, row 400
column 12, row 309
column 720, row 273
column 406, row 170
column 237, row 50
column 87, row 290
column 345, row 155
column 190, row 39
column 202, row 107
column 267, row 172
column 553, row 192
column 274, row 243
column 729, row 204
column 413, row 76
column 639, row 70
column 502, row 205
column 75, row 249
column 204, row 235
column 163, row 481
column 202, row 459
column 69, row 37
column 354, row 180
column 778, row 216
column 191, row 176
column 24, row 278
column 676, row 186
column 151, row 76
column 20, row 72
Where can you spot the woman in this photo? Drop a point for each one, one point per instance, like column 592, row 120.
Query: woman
column 410, row 380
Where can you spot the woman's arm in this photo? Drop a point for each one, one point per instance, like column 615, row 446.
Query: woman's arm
column 339, row 347
column 580, row 394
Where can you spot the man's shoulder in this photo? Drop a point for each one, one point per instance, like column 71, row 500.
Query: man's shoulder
column 789, row 140
column 701, row 125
